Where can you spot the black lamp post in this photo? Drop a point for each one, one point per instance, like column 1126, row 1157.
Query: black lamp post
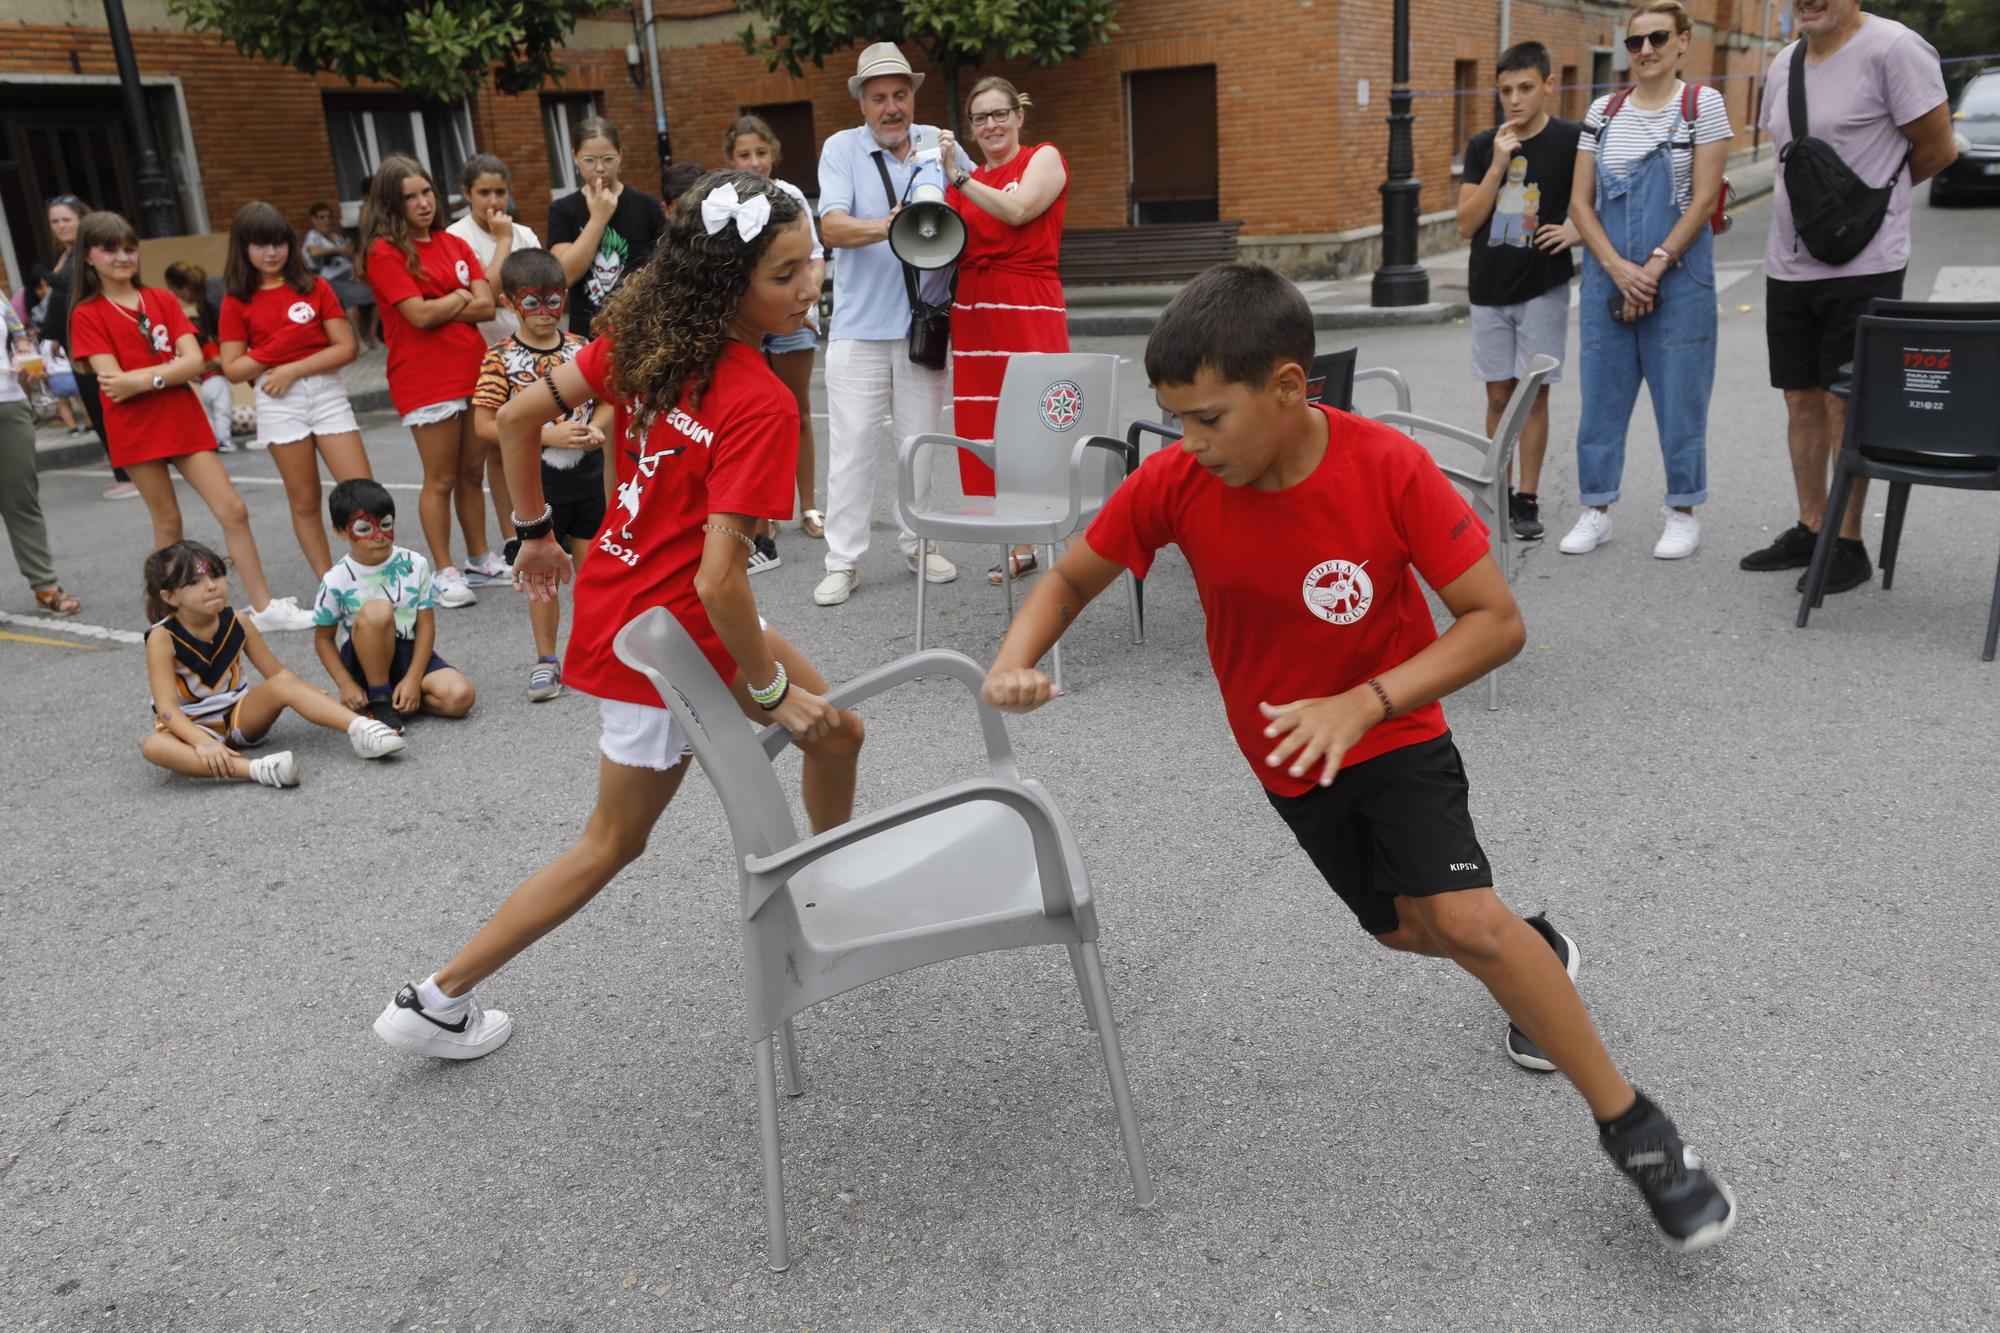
column 157, row 215
column 1400, row 280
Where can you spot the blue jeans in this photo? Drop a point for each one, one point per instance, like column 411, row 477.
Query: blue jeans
column 1672, row 349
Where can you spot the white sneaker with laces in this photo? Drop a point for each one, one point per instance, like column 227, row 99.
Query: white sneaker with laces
column 835, row 587
column 276, row 770
column 372, row 739
column 451, row 588
column 465, row 1031
column 279, row 614
column 481, row 570
column 1592, row 530
column 1679, row 537
column 937, row 569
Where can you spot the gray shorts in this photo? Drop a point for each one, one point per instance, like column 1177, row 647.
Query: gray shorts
column 1505, row 338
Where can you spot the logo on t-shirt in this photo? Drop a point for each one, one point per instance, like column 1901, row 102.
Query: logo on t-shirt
column 300, row 312
column 161, row 341
column 607, row 268
column 463, row 271
column 1062, row 405
column 1339, row 591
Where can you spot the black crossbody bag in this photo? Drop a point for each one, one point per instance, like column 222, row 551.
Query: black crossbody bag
column 1833, row 212
column 930, row 325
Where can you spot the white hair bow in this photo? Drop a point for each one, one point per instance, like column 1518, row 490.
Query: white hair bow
column 722, row 205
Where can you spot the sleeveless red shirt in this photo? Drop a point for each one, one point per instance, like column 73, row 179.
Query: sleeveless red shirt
column 1031, row 249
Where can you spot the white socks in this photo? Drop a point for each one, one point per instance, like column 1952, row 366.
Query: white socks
column 436, row 1001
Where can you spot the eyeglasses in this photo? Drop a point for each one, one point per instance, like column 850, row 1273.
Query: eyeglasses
column 532, row 303
column 992, row 117
column 594, row 160
column 362, row 527
column 1659, row 37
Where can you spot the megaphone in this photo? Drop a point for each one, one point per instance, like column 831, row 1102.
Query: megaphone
column 927, row 235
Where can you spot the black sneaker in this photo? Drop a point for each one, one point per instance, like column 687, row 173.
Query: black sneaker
column 1691, row 1204
column 1850, row 568
column 765, row 556
column 1792, row 550
column 384, row 712
column 1524, row 508
column 1519, row 1049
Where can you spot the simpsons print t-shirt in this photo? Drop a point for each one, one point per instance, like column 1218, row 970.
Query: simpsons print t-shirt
column 628, row 240
column 1505, row 267
column 404, row 578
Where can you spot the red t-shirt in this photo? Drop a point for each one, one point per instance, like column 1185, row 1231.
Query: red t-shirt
column 1311, row 590
column 278, row 325
column 737, row 452
column 165, row 423
column 427, row 365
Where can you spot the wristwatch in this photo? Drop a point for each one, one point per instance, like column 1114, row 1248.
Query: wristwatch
column 159, row 382
column 958, row 181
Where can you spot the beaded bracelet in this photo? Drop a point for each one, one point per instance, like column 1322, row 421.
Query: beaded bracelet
column 773, row 706
column 549, row 378
column 717, row 527
column 1388, row 709
column 771, row 695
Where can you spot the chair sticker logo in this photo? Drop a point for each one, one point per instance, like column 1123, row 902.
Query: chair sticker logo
column 1339, row 591
column 1062, row 405
column 301, row 312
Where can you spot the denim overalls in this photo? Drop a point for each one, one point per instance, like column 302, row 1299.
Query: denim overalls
column 1672, row 349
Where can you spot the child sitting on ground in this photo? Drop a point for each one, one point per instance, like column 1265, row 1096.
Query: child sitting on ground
column 374, row 626
column 204, row 710
column 572, row 463
column 1331, row 670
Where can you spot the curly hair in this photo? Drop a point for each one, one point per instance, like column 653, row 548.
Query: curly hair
column 382, row 213
column 669, row 319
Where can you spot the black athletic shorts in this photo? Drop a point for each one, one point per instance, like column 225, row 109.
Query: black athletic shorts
column 399, row 661
column 1397, row 823
column 578, row 520
column 1809, row 326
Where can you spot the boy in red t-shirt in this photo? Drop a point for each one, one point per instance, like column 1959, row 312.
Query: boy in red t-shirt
column 1331, row 669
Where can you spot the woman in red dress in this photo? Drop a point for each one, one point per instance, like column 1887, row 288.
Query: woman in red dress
column 1010, row 298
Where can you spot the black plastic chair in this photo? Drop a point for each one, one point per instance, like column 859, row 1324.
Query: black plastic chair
column 1330, row 381
column 1923, row 409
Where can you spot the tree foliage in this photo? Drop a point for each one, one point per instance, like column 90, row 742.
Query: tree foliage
column 1955, row 27
column 954, row 33
column 439, row 50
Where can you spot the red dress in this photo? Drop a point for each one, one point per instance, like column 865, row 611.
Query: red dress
column 1009, row 300
column 147, row 427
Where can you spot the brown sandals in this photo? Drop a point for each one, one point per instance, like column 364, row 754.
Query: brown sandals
column 56, row 602
column 1024, row 565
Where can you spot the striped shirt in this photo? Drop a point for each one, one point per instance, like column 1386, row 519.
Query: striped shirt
column 1635, row 133
column 208, row 675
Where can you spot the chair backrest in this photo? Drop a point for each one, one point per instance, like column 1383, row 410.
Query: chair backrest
column 724, row 741
column 1049, row 401
column 1927, row 381
column 1331, row 380
column 1514, row 419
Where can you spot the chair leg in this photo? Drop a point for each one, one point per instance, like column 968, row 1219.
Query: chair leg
column 1135, row 596
column 778, row 1254
column 788, row 1047
column 1993, row 621
column 1114, row 1070
column 1829, row 529
column 921, row 549
column 1055, row 653
column 1007, row 578
column 1892, row 530
column 1082, row 985
column 1493, row 690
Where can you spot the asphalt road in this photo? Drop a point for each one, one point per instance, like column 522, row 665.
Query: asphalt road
column 1775, row 847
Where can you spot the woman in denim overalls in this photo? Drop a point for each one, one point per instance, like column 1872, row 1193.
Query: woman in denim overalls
column 1648, row 297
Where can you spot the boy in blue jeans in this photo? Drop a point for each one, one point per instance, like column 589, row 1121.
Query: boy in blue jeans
column 1330, row 670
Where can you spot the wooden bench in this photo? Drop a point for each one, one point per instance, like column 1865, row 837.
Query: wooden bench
column 1164, row 252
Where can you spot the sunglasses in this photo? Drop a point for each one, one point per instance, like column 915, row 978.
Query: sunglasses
column 362, row 527
column 531, row 303
column 67, row 199
column 1659, row 38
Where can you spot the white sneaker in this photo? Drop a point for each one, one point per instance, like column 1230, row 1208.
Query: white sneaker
column 1679, row 537
column 937, row 569
column 450, row 588
column 276, row 770
column 481, row 570
column 372, row 739
column 834, row 588
column 281, row 613
column 464, row 1032
column 1592, row 530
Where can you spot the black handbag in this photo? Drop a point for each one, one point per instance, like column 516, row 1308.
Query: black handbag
column 930, row 324
column 1834, row 213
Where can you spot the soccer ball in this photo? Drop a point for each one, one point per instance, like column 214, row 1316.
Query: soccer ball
column 243, row 417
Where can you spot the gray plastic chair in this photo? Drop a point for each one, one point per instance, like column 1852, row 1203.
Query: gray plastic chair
column 1485, row 482
column 1054, row 460
column 976, row 867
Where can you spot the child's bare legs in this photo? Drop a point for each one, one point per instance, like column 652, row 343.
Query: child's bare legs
column 795, row 370
column 469, row 493
column 448, row 693
column 204, row 472
column 503, row 499
column 373, row 635
column 438, row 447
column 64, row 415
column 269, row 698
column 298, row 468
column 546, row 617
column 1474, row 929
column 166, row 750
column 156, row 488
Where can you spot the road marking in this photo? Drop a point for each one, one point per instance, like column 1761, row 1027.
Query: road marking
column 99, row 474
column 1967, row 282
column 71, row 627
column 12, row 637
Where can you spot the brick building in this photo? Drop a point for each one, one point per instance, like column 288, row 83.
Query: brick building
column 1272, row 113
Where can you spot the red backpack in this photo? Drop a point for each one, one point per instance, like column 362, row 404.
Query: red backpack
column 1690, row 91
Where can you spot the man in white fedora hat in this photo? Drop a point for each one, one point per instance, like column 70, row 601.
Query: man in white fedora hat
column 869, row 374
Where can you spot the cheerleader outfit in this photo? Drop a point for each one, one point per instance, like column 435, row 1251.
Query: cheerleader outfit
column 209, row 679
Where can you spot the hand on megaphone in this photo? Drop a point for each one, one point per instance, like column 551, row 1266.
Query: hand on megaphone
column 947, row 149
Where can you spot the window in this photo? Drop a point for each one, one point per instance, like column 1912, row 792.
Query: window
column 1175, row 163
column 1571, row 108
column 1465, row 100
column 367, row 127
column 560, row 114
column 792, row 122
column 1603, row 74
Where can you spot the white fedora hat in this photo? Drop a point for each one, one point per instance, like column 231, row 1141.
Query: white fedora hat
column 879, row 60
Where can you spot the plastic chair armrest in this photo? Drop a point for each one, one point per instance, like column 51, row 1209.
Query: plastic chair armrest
column 1395, row 380
column 1132, row 434
column 906, row 457
column 1076, row 456
column 932, row 662
column 1843, row 381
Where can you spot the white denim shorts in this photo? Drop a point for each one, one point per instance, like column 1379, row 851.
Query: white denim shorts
column 640, row 736
column 315, row 405
column 432, row 413
column 1505, row 338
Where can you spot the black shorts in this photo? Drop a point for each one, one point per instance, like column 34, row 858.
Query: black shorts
column 1809, row 326
column 577, row 520
column 399, row 664
column 1397, row 823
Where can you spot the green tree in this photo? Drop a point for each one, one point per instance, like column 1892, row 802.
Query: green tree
column 1955, row 27
column 954, row 33
column 439, row 50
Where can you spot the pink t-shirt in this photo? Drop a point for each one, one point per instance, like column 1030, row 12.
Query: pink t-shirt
column 1884, row 77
